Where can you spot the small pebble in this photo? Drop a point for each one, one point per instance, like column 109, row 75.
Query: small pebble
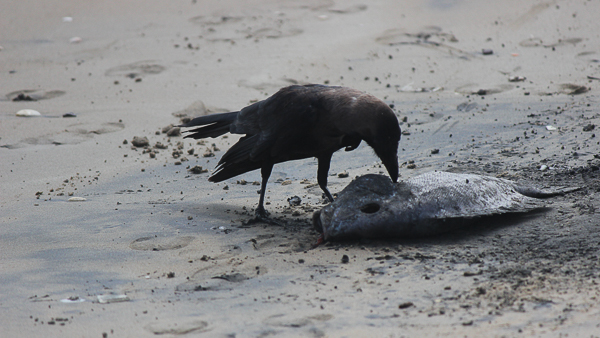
column 589, row 127
column 197, row 170
column 159, row 145
column 294, row 201
column 487, row 52
column 345, row 259
column 175, row 131
column 77, row 199
column 140, row 141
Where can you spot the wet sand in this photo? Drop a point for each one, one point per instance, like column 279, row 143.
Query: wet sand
column 507, row 89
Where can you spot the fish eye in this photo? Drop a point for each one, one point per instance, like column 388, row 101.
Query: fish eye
column 370, row 208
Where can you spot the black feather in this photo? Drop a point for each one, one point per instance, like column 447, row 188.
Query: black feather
column 210, row 125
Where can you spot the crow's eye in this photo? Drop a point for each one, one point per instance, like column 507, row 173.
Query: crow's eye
column 370, row 208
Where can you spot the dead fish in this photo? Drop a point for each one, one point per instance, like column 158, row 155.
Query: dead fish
column 372, row 206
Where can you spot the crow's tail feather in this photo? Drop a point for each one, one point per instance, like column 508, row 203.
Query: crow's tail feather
column 210, row 125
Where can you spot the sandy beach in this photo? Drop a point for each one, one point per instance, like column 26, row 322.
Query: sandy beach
column 100, row 238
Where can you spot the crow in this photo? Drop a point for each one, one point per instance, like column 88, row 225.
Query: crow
column 301, row 121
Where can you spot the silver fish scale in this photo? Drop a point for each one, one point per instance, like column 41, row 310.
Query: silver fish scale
column 372, row 206
column 467, row 195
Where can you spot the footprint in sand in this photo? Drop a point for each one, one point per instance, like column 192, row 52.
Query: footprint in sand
column 215, row 20
column 221, row 28
column 197, row 108
column 73, row 134
column 216, row 283
column 397, row 36
column 349, row 10
column 589, row 56
column 313, row 5
column 32, row 95
column 161, row 243
column 177, row 326
column 565, row 88
column 285, row 321
column 475, row 89
column 274, row 33
column 466, row 106
column 537, row 42
column 429, row 37
column 136, row 69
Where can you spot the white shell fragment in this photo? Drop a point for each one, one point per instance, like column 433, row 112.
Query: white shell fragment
column 104, row 299
column 76, row 199
column 409, row 88
column 551, row 128
column 74, row 299
column 28, row 113
column 75, row 39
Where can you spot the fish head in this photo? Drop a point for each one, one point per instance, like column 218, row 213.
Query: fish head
column 363, row 203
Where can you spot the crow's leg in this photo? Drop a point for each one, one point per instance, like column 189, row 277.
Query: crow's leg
column 265, row 172
column 322, row 173
column 261, row 214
